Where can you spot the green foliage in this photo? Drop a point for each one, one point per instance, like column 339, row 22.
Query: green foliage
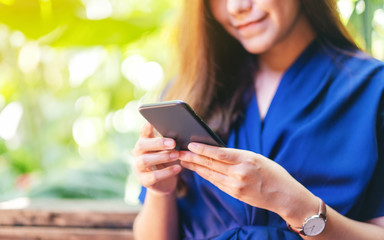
column 68, row 105
column 63, row 23
column 361, row 22
column 105, row 180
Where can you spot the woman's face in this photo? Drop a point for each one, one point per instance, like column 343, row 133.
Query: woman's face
column 258, row 24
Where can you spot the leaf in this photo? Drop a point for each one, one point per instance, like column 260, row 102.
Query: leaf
column 60, row 24
column 361, row 24
column 102, row 32
column 26, row 16
column 98, row 181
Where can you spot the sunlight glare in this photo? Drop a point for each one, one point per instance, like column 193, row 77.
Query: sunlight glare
column 18, row 203
column 360, row 7
column 83, row 65
column 10, row 118
column 127, row 119
column 98, row 9
column 29, row 57
column 379, row 17
column 130, row 66
column 151, row 76
column 17, row 39
column 85, row 104
column 88, row 131
column 144, row 75
column 345, row 8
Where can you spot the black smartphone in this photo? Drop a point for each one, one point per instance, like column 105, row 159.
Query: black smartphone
column 177, row 120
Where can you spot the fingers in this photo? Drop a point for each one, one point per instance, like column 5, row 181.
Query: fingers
column 149, row 143
column 147, row 131
column 192, row 158
column 216, row 178
column 216, row 172
column 145, row 145
column 147, row 179
column 225, row 155
column 155, row 161
column 148, row 161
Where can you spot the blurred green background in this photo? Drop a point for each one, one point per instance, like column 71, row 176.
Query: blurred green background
column 72, row 74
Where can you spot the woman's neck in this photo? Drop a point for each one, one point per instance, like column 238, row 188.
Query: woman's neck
column 274, row 63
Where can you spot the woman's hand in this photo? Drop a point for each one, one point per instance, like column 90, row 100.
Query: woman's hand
column 251, row 178
column 156, row 162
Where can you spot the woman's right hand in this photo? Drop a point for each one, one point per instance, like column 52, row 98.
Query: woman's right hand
column 156, row 162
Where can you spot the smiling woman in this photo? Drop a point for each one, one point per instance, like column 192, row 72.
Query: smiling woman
column 285, row 86
column 258, row 29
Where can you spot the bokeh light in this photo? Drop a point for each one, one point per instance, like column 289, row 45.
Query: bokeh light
column 10, row 118
column 98, row 9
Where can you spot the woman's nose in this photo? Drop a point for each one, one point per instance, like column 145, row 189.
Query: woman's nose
column 235, row 7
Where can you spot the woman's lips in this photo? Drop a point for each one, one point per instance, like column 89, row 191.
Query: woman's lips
column 248, row 26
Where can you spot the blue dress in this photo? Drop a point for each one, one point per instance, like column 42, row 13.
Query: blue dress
column 325, row 126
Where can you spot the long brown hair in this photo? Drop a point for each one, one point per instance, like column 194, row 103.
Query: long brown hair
column 216, row 72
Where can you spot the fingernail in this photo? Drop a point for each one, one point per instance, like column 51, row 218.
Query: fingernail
column 168, row 142
column 192, row 146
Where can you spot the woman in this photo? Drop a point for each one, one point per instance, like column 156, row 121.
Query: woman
column 302, row 112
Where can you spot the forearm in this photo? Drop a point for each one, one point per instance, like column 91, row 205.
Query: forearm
column 158, row 219
column 340, row 227
column 337, row 226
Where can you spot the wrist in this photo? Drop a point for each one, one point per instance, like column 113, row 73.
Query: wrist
column 297, row 210
column 158, row 194
column 313, row 225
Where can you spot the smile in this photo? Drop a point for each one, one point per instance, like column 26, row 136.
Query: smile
column 250, row 25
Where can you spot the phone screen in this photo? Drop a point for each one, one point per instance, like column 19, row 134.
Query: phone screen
column 177, row 120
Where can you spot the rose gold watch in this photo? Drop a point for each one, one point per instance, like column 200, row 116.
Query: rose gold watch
column 313, row 225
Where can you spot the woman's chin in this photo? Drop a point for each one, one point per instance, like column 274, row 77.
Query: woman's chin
column 256, row 47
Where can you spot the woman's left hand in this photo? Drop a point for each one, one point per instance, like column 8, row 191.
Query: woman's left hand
column 249, row 177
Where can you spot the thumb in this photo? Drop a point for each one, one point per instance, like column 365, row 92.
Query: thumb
column 147, row 131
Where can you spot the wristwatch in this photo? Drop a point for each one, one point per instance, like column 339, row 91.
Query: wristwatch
column 313, row 225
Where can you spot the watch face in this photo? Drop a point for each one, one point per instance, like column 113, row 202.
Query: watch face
column 314, row 226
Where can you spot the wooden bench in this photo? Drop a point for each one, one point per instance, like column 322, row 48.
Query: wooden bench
column 66, row 219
